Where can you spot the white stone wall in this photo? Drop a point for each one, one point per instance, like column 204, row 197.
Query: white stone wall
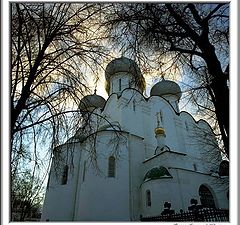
column 136, row 156
column 60, row 199
column 102, row 198
column 178, row 191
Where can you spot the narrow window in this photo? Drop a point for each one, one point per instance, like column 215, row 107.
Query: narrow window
column 134, row 105
column 65, row 175
column 84, row 170
column 111, row 166
column 195, row 167
column 148, row 198
column 119, row 84
column 206, row 197
column 186, row 125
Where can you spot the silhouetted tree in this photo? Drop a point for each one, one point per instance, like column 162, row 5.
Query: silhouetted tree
column 193, row 35
column 26, row 196
column 55, row 49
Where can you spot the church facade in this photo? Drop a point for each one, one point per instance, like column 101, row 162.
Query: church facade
column 133, row 154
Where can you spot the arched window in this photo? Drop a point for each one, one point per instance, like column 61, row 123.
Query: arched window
column 111, row 166
column 148, row 198
column 65, row 175
column 206, row 197
column 224, row 168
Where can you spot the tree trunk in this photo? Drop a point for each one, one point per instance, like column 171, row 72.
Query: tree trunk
column 220, row 90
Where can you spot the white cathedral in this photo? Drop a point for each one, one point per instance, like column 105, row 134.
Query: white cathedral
column 132, row 154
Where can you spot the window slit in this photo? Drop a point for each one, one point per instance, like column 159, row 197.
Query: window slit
column 148, row 198
column 65, row 175
column 111, row 166
column 120, row 84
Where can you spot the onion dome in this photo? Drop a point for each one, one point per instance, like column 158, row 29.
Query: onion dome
column 159, row 131
column 90, row 102
column 166, row 87
column 122, row 65
column 157, row 173
column 127, row 66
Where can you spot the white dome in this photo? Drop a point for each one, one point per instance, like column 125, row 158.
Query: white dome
column 122, row 65
column 90, row 102
column 166, row 87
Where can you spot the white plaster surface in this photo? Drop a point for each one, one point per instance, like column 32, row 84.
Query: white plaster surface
column 123, row 197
